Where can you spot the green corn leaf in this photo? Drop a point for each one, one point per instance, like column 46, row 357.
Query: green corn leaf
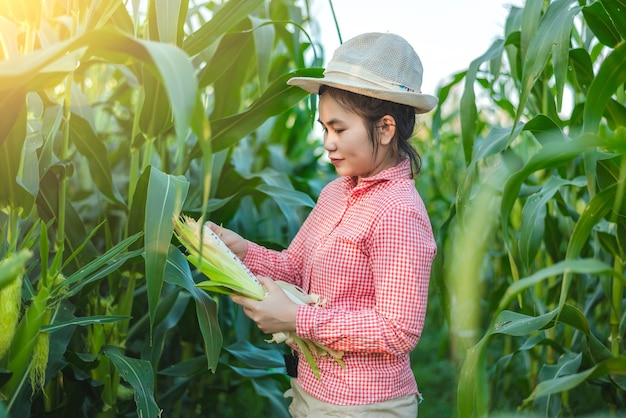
column 264, row 39
column 548, row 36
column 89, row 145
column 550, row 155
column 155, row 117
column 14, row 193
column 186, row 368
column 582, row 69
column 12, row 266
column 597, row 208
column 165, row 197
column 229, row 52
column 600, row 24
column 468, row 99
column 274, row 392
column 177, row 272
column 167, row 22
column 101, row 261
column 139, row 374
column 253, row 356
column 563, row 383
column 615, row 10
column 611, row 75
column 254, row 373
column 529, row 22
column 84, row 321
column 533, row 216
column 583, row 266
column 230, row 14
column 275, row 100
column 560, row 53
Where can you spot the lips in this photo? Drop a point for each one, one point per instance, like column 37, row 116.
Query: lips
column 335, row 161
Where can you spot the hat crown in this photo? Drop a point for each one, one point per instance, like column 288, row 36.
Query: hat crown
column 379, row 65
column 383, row 56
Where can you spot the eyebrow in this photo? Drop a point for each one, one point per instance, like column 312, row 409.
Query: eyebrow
column 331, row 122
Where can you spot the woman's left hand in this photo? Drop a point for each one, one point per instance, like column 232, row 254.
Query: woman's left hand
column 275, row 313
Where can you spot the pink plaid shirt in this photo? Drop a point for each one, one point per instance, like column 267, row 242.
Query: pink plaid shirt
column 366, row 247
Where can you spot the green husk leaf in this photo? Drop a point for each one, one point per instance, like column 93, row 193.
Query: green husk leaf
column 213, row 258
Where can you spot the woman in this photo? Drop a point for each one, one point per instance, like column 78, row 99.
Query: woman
column 366, row 247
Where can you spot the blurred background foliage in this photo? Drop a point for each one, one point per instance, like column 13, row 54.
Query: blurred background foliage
column 118, row 115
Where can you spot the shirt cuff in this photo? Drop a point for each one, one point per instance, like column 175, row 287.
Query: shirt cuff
column 305, row 321
column 253, row 255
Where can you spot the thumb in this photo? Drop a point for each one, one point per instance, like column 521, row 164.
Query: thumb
column 213, row 226
column 266, row 282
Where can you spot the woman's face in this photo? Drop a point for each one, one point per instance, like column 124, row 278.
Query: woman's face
column 347, row 142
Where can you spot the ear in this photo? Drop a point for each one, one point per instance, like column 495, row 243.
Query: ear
column 387, row 126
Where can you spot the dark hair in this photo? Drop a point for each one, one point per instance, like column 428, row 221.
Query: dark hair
column 371, row 110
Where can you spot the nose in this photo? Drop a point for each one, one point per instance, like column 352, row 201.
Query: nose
column 329, row 143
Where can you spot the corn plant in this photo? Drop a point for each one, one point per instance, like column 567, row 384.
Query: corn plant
column 116, row 115
column 532, row 261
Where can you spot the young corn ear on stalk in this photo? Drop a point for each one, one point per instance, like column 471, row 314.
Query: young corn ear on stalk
column 228, row 275
column 11, row 277
column 40, row 356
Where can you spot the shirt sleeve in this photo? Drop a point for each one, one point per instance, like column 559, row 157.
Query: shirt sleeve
column 285, row 265
column 401, row 252
column 277, row 265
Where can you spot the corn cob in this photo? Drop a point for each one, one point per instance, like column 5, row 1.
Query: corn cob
column 228, row 275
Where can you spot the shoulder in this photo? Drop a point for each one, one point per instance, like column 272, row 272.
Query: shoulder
column 401, row 194
column 334, row 188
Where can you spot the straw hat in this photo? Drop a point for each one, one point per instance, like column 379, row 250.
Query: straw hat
column 380, row 65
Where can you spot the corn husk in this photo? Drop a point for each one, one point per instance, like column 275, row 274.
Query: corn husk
column 11, row 278
column 228, row 275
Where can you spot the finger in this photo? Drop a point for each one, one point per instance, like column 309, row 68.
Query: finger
column 266, row 281
column 217, row 229
column 213, row 226
column 239, row 300
column 243, row 301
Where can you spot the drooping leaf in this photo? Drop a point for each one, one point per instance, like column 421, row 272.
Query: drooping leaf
column 615, row 10
column 84, row 321
column 89, row 145
column 611, row 75
column 601, row 24
column 177, row 272
column 276, row 99
column 582, row 266
column 232, row 12
column 139, row 374
column 559, row 384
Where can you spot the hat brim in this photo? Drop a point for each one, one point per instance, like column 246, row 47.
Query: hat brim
column 422, row 103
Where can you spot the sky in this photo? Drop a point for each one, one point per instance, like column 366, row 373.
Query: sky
column 446, row 34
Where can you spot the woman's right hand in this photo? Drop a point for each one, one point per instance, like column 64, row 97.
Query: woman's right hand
column 234, row 241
